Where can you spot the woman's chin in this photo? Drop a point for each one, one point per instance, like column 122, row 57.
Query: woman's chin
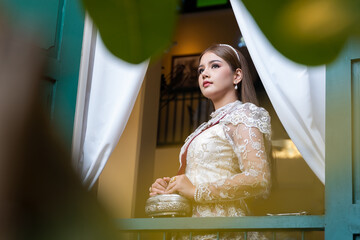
column 211, row 95
column 208, row 93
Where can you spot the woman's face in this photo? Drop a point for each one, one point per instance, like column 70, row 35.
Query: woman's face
column 216, row 78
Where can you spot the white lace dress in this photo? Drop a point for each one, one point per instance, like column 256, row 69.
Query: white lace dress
column 228, row 163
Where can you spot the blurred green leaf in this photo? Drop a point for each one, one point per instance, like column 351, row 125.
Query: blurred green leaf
column 310, row 32
column 134, row 30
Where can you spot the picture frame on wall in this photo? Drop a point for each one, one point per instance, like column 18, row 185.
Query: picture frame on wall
column 184, row 74
column 182, row 106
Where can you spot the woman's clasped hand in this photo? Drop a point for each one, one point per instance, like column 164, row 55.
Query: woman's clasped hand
column 179, row 184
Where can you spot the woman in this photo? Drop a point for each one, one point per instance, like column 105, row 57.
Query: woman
column 224, row 161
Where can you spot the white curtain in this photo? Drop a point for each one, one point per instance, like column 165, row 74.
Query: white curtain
column 115, row 85
column 297, row 92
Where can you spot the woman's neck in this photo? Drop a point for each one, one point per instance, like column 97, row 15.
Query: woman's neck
column 224, row 101
column 218, row 105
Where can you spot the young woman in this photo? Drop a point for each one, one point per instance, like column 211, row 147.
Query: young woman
column 224, row 161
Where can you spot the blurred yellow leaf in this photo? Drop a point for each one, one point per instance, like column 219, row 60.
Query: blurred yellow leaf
column 310, row 32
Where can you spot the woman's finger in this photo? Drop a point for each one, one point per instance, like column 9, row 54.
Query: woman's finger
column 157, row 186
column 154, row 193
column 157, row 191
column 166, row 179
column 161, row 182
column 171, row 188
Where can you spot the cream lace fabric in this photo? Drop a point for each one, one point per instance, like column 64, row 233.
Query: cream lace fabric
column 227, row 162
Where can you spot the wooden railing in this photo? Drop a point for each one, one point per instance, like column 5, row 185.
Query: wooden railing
column 308, row 227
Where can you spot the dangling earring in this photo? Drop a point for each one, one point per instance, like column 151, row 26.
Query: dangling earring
column 235, row 87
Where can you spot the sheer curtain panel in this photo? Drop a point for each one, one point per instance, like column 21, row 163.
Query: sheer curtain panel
column 297, row 92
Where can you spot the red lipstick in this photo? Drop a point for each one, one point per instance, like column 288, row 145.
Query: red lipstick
column 206, row 83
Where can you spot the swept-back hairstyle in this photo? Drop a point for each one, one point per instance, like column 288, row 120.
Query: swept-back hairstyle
column 246, row 91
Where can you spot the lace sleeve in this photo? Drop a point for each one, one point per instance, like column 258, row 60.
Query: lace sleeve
column 254, row 176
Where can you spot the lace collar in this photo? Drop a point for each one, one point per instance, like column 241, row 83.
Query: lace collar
column 224, row 109
column 215, row 118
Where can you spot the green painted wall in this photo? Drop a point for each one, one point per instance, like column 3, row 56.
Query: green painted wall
column 58, row 26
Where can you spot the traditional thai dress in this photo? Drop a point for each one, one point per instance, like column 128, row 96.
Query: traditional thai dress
column 227, row 163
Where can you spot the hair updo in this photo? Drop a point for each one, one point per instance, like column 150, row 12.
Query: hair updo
column 246, row 91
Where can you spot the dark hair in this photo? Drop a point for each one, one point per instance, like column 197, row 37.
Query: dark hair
column 246, row 92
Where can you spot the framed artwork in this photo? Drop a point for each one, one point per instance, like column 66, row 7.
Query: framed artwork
column 182, row 105
column 184, row 72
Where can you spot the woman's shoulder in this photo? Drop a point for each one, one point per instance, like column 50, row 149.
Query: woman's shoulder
column 251, row 110
column 250, row 115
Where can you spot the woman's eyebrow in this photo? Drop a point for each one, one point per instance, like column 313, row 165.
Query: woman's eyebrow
column 212, row 61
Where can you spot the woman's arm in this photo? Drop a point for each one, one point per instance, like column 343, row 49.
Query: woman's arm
column 254, row 179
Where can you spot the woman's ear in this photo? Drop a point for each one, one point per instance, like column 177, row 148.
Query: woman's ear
column 238, row 75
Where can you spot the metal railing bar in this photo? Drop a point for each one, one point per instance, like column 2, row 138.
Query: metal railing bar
column 164, row 235
column 262, row 223
column 164, row 102
column 182, row 117
column 166, row 122
column 218, row 235
column 245, row 235
column 302, row 235
column 174, row 120
column 159, row 126
column 190, row 236
column 167, row 135
column 180, row 96
column 191, row 114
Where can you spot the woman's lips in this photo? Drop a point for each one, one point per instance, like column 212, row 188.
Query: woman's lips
column 206, row 83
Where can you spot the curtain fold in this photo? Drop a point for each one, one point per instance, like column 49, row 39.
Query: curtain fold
column 297, row 92
column 115, row 85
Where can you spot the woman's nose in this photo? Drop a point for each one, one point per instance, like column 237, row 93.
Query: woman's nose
column 205, row 74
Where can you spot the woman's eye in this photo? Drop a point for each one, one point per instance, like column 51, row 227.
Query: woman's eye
column 200, row 70
column 215, row 66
